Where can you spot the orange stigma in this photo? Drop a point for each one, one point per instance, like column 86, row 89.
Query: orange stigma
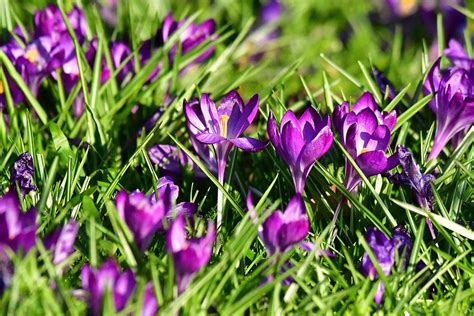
column 407, row 7
column 223, row 125
column 32, row 55
column 363, row 151
column 1, row 87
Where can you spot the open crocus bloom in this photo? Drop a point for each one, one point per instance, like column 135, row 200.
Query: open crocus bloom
column 300, row 142
column 189, row 255
column 107, row 278
column 453, row 100
column 365, row 134
column 224, row 125
column 386, row 252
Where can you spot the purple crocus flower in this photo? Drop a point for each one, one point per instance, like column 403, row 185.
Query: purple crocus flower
column 119, row 52
column 169, row 159
column 166, row 187
column 282, row 230
column 386, row 251
column 300, row 142
column 22, row 173
column 142, row 216
column 190, row 38
column 61, row 241
column 150, row 305
column 453, row 101
column 365, row 133
column 49, row 22
column 17, row 229
column 420, row 183
column 189, row 255
column 107, row 278
column 222, row 127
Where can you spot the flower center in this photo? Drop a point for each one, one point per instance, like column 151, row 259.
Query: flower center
column 32, row 55
column 364, row 150
column 223, row 125
column 1, row 87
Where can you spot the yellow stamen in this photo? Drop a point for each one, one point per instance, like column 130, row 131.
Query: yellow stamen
column 32, row 55
column 407, row 6
column 223, row 124
column 1, row 87
column 364, row 150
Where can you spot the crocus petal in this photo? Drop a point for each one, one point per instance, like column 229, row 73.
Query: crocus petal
column 317, row 147
column 372, row 162
column 246, row 117
column 249, row 144
column 365, row 101
column 270, row 230
column 292, row 233
column 209, row 111
column 208, row 138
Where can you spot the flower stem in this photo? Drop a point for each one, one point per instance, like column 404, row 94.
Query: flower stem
column 220, row 196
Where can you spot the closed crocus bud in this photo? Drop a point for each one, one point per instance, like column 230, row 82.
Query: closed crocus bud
column 61, row 241
column 190, row 38
column 167, row 189
column 189, row 255
column 453, row 98
column 17, row 229
column 282, row 230
column 150, row 306
column 107, row 278
column 386, row 252
column 22, row 173
column 365, row 133
column 142, row 216
column 300, row 142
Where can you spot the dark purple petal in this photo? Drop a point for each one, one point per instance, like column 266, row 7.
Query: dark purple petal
column 372, row 162
column 22, row 173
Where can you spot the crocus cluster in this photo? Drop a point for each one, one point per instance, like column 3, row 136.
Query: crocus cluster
column 387, row 252
column 300, row 142
column 108, row 278
column 144, row 215
column 222, row 128
column 453, row 97
column 365, row 133
column 189, row 255
column 51, row 48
